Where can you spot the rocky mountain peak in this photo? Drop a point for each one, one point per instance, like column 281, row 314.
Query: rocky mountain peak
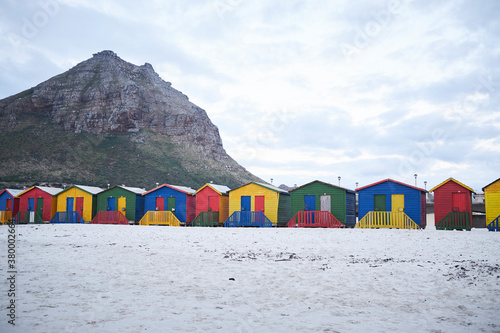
column 106, row 95
column 106, row 53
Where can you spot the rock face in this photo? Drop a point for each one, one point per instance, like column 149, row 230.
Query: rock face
column 106, row 96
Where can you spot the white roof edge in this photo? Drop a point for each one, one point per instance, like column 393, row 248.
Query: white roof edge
column 272, row 187
column 50, row 190
column 14, row 192
column 90, row 189
column 220, row 188
column 183, row 188
column 137, row 190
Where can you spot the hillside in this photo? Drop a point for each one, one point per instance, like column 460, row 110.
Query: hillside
column 109, row 121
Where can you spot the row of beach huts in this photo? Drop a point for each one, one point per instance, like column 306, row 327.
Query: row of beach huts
column 384, row 204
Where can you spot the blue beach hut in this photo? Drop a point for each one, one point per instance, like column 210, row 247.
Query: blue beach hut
column 391, row 204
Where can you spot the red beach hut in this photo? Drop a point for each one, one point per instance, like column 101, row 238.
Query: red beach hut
column 212, row 205
column 452, row 205
column 40, row 200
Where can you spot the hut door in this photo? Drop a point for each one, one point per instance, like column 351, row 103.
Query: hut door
column 213, row 204
column 246, row 203
column 398, row 202
column 260, row 203
column 111, row 204
column 325, row 203
column 122, row 204
column 8, row 204
column 171, row 204
column 309, row 202
column 160, row 203
column 379, row 202
column 69, row 204
column 459, row 200
column 39, row 206
column 31, row 204
column 79, row 205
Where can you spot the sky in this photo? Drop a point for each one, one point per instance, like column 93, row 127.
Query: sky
column 300, row 90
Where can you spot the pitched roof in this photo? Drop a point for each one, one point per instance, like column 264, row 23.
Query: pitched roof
column 319, row 181
column 136, row 190
column 490, row 184
column 390, row 180
column 272, row 187
column 222, row 189
column 49, row 190
column 452, row 180
column 268, row 186
column 12, row 192
column 89, row 189
column 184, row 189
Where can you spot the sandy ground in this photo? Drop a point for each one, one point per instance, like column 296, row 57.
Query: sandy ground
column 104, row 278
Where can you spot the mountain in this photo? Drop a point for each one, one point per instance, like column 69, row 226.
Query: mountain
column 107, row 121
column 286, row 187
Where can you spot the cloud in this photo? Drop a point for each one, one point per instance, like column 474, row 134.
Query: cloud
column 299, row 90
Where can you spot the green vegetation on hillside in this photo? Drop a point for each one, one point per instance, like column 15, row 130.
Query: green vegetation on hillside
column 39, row 151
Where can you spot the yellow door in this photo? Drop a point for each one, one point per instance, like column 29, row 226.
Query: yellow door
column 122, row 205
column 492, row 206
column 398, row 202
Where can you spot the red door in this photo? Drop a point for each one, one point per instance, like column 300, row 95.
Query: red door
column 213, row 203
column 459, row 202
column 8, row 205
column 160, row 203
column 260, row 205
column 79, row 205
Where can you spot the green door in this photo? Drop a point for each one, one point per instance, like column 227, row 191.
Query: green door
column 379, row 203
column 171, row 204
column 39, row 209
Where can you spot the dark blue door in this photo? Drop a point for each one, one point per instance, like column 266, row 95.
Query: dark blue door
column 69, row 204
column 246, row 207
column 111, row 204
column 310, row 206
column 31, row 204
column 309, row 202
column 246, row 203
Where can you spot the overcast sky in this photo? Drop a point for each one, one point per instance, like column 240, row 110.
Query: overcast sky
column 300, row 90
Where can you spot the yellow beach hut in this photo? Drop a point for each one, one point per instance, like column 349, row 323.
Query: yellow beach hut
column 77, row 198
column 250, row 200
column 492, row 205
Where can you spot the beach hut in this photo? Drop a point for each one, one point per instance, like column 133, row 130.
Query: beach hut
column 452, row 205
column 37, row 204
column 212, row 205
column 492, row 205
column 320, row 204
column 391, row 204
column 9, row 204
column 127, row 201
column 75, row 203
column 258, row 204
column 178, row 200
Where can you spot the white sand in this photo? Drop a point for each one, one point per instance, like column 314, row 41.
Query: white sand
column 108, row 278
